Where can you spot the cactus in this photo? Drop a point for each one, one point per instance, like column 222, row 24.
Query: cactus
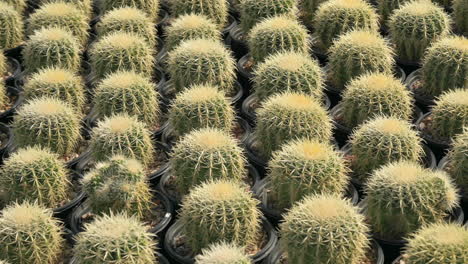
column 151, row 7
column 402, row 196
column 382, row 140
column 35, row 174
column 254, row 11
column 18, row 5
column 445, row 66
column 460, row 14
column 4, row 100
column 11, row 27
column 304, row 167
column 206, row 154
column 127, row 92
column 115, row 239
column 337, row 17
column 57, row 82
column 356, row 53
column 121, row 134
column 85, row 6
column 450, row 114
column 202, row 61
column 415, row 26
column 215, row 10
column 201, row 106
column 385, row 8
column 51, row 47
column 223, row 253
column 438, row 243
column 220, row 211
column 288, row 116
column 277, row 34
column 324, row 229
column 458, row 162
column 47, row 122
column 30, row 235
column 307, row 10
column 130, row 20
column 288, row 71
column 375, row 94
column 3, row 64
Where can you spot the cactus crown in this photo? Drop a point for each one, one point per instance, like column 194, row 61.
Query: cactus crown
column 223, row 253
column 253, row 11
column 215, row 10
column 85, row 6
column 11, row 27
column 151, row 7
column 458, row 162
column 18, row 5
column 450, row 114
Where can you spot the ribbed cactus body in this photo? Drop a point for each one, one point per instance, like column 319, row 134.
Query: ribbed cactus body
column 223, row 253
column 458, row 161
column 11, row 27
column 385, row 8
column 215, row 10
column 450, row 114
column 460, row 14
column 253, row 11
column 307, row 10
column 18, row 5
column 85, row 6
column 3, row 64
column 4, row 100
column 151, row 7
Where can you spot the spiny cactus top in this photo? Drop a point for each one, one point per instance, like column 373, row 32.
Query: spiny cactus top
column 277, row 34
column 403, row 196
column 460, row 14
column 445, row 66
column 336, row 17
column 202, row 61
column 414, row 26
column 254, row 11
column 450, row 114
column 85, row 6
column 223, row 253
column 151, row 7
column 288, row 71
column 458, row 161
column 307, row 10
column 324, row 229
column 18, row 5
column 438, row 243
column 215, row 10
column 206, row 154
column 220, row 211
column 11, row 27
column 29, row 234
column 115, row 239
column 356, row 53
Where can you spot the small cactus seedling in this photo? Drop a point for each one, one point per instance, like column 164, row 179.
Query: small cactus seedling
column 49, row 123
column 288, row 71
column 151, row 7
column 18, row 5
column 288, row 116
column 450, row 114
column 458, row 161
column 223, row 253
column 402, row 196
column 303, row 167
column 307, row 10
column 414, row 26
column 220, row 211
column 202, row 61
column 380, row 141
column 356, row 53
column 324, row 229
column 460, row 14
column 253, row 11
column 29, row 234
column 11, row 27
column 337, row 17
column 206, row 154
column 85, row 6
column 115, row 239
column 215, row 10
column 277, row 34
column 385, row 8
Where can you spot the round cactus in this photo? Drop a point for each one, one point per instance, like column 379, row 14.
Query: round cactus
column 18, row 5
column 51, row 47
column 3, row 64
column 35, row 174
column 337, row 17
column 220, row 211
column 303, row 167
column 127, row 92
column 202, row 61
column 450, row 114
column 403, row 196
column 458, row 161
column 288, row 71
column 223, row 253
column 460, row 14
column 253, row 11
column 11, row 27
column 151, row 7
column 445, row 66
column 57, row 82
column 380, row 141
column 206, row 154
column 356, row 53
column 288, row 116
column 375, row 94
column 85, row 6
column 199, row 107
column 277, row 34
column 324, row 229
column 29, row 234
column 47, row 122
column 216, row 10
column 115, row 239
column 385, row 8
column 414, row 26
column 4, row 100
column 308, row 9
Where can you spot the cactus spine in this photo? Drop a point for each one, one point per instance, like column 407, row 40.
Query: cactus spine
column 85, row 6
column 18, row 5
column 252, row 11
column 450, row 114
column 385, row 8
column 151, row 7
column 223, row 253
column 215, row 10
column 458, row 161
column 460, row 14
column 308, row 9
column 11, row 27
column 3, row 96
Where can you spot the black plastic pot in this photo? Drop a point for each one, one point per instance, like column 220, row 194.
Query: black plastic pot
column 245, row 74
column 64, row 211
column 238, row 42
column 320, row 54
column 260, row 163
column 438, row 146
column 15, row 73
column 5, row 130
column 232, row 23
column 176, row 231
column 15, row 53
column 163, row 21
column 17, row 96
column 408, row 66
column 425, row 101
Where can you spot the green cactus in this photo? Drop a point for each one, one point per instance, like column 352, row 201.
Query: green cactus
column 220, row 211
column 202, row 61
column 403, row 196
column 415, row 26
column 11, row 27
column 115, row 239
column 49, row 123
column 18, row 5
column 450, row 114
column 288, row 71
column 206, row 154
column 85, row 6
column 223, row 253
column 445, row 66
column 458, row 162
column 215, row 10
column 3, row 64
column 382, row 140
column 127, row 92
column 277, row 34
column 30, row 235
column 385, row 8
column 356, row 53
column 438, row 243
column 254, row 11
column 460, row 14
column 324, row 229
column 307, row 10
column 337, row 17
column 303, row 167
column 151, row 7
column 288, row 116
column 4, row 100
